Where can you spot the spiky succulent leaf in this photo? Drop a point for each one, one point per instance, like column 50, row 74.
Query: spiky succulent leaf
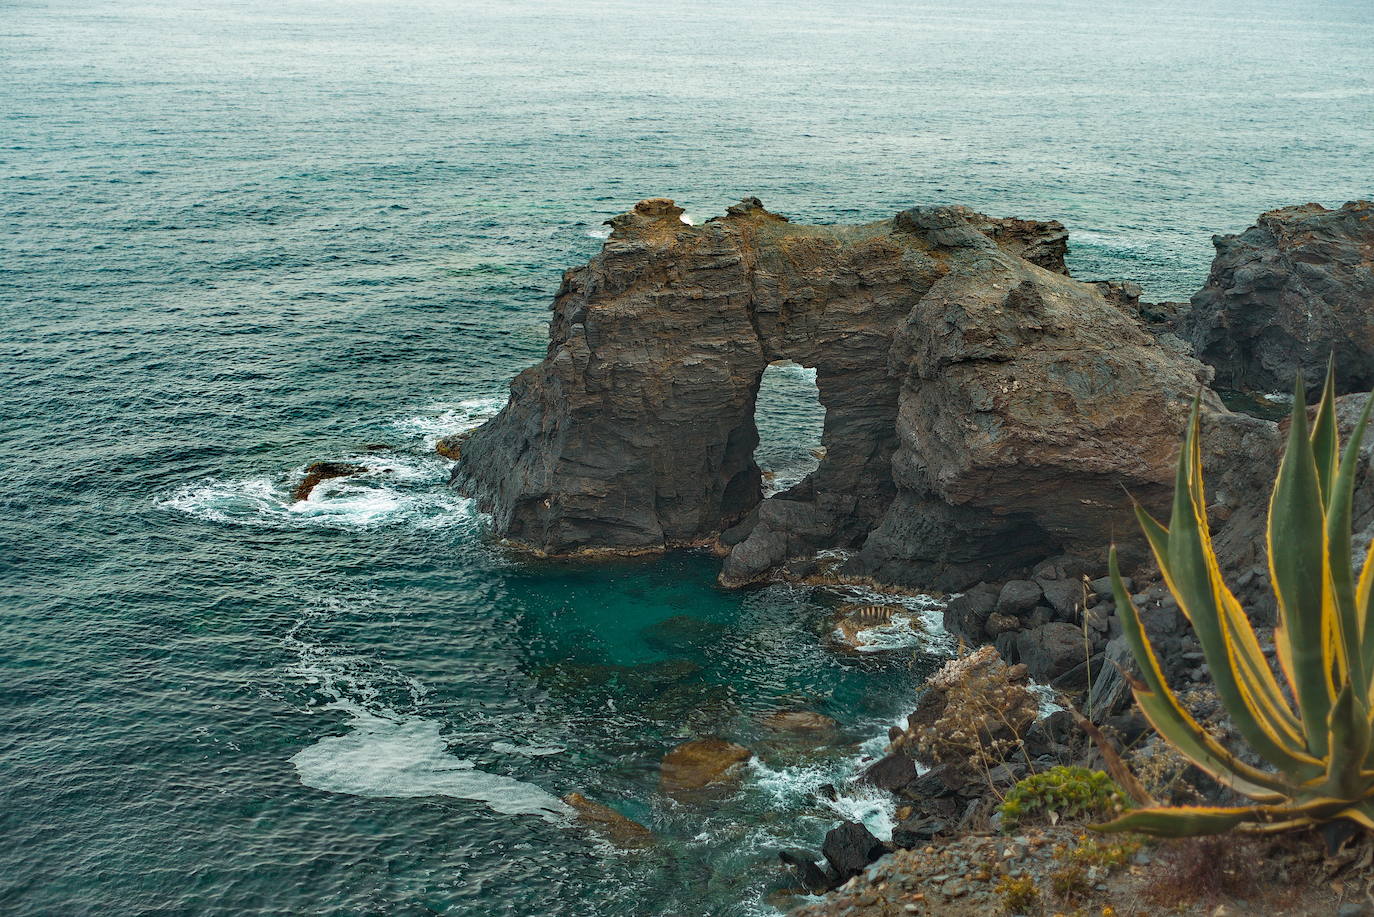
column 1298, row 571
column 1322, row 753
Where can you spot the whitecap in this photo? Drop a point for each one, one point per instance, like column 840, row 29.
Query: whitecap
column 366, row 501
column 447, row 418
column 790, row 788
column 395, row 757
column 531, row 751
column 599, row 232
column 896, row 634
column 1046, row 698
column 926, row 621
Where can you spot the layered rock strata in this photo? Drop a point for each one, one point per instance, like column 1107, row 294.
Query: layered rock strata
column 983, row 409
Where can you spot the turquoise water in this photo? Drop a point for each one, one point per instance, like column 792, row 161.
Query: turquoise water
column 238, row 237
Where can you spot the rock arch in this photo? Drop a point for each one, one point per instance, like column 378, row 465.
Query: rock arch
column 982, row 408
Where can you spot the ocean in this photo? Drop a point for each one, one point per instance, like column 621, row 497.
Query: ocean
column 237, row 237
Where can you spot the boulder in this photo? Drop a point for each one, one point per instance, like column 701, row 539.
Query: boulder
column 1111, row 690
column 1065, row 596
column 1018, row 597
column 917, row 831
column 697, row 764
column 610, row 824
column 1285, row 295
column 812, row 878
column 324, row 471
column 966, row 613
column 893, row 773
column 999, row 624
column 1051, row 650
column 849, row 848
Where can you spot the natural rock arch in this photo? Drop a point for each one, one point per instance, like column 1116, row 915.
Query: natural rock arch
column 982, row 408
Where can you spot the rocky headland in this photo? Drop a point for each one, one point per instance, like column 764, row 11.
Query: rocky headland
column 986, row 415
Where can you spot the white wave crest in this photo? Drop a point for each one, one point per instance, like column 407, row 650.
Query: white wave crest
column 794, row 787
column 406, row 756
column 897, row 634
column 925, row 626
column 380, row 497
column 446, row 419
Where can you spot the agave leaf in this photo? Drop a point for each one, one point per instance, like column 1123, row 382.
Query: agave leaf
column 1362, row 814
column 1297, row 569
column 1175, row 723
column 1325, row 441
column 1184, row 821
column 1243, row 680
column 1349, row 739
column 1338, row 524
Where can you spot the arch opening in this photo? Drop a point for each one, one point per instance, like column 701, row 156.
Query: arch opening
column 789, row 417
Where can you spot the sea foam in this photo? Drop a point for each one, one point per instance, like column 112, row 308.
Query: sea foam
column 406, row 756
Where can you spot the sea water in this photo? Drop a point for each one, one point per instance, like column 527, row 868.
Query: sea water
column 237, row 237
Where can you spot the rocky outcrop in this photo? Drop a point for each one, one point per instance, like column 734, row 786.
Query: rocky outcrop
column 1286, row 294
column 983, row 410
column 324, row 471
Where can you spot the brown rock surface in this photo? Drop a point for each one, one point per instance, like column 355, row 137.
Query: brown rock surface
column 697, row 764
column 799, row 721
column 324, row 471
column 610, row 824
column 983, row 410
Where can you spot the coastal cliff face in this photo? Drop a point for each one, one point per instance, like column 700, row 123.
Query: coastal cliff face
column 983, row 409
column 1285, row 295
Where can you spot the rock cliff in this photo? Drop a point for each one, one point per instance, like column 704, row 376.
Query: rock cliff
column 983, row 409
column 1287, row 293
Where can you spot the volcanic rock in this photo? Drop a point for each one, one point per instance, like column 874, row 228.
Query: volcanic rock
column 812, row 877
column 1051, row 650
column 1017, row 597
column 983, row 410
column 1285, row 295
column 324, row 471
column 966, row 615
column 849, row 848
column 893, row 773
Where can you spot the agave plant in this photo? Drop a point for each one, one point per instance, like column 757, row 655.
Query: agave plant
column 1314, row 733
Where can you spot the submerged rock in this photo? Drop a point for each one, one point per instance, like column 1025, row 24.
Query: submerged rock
column 983, row 410
column 681, row 633
column 324, row 471
column 610, row 824
column 697, row 764
column 1287, row 294
column 800, row 721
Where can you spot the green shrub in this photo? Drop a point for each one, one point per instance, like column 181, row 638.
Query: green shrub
column 1062, row 793
column 1018, row 895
